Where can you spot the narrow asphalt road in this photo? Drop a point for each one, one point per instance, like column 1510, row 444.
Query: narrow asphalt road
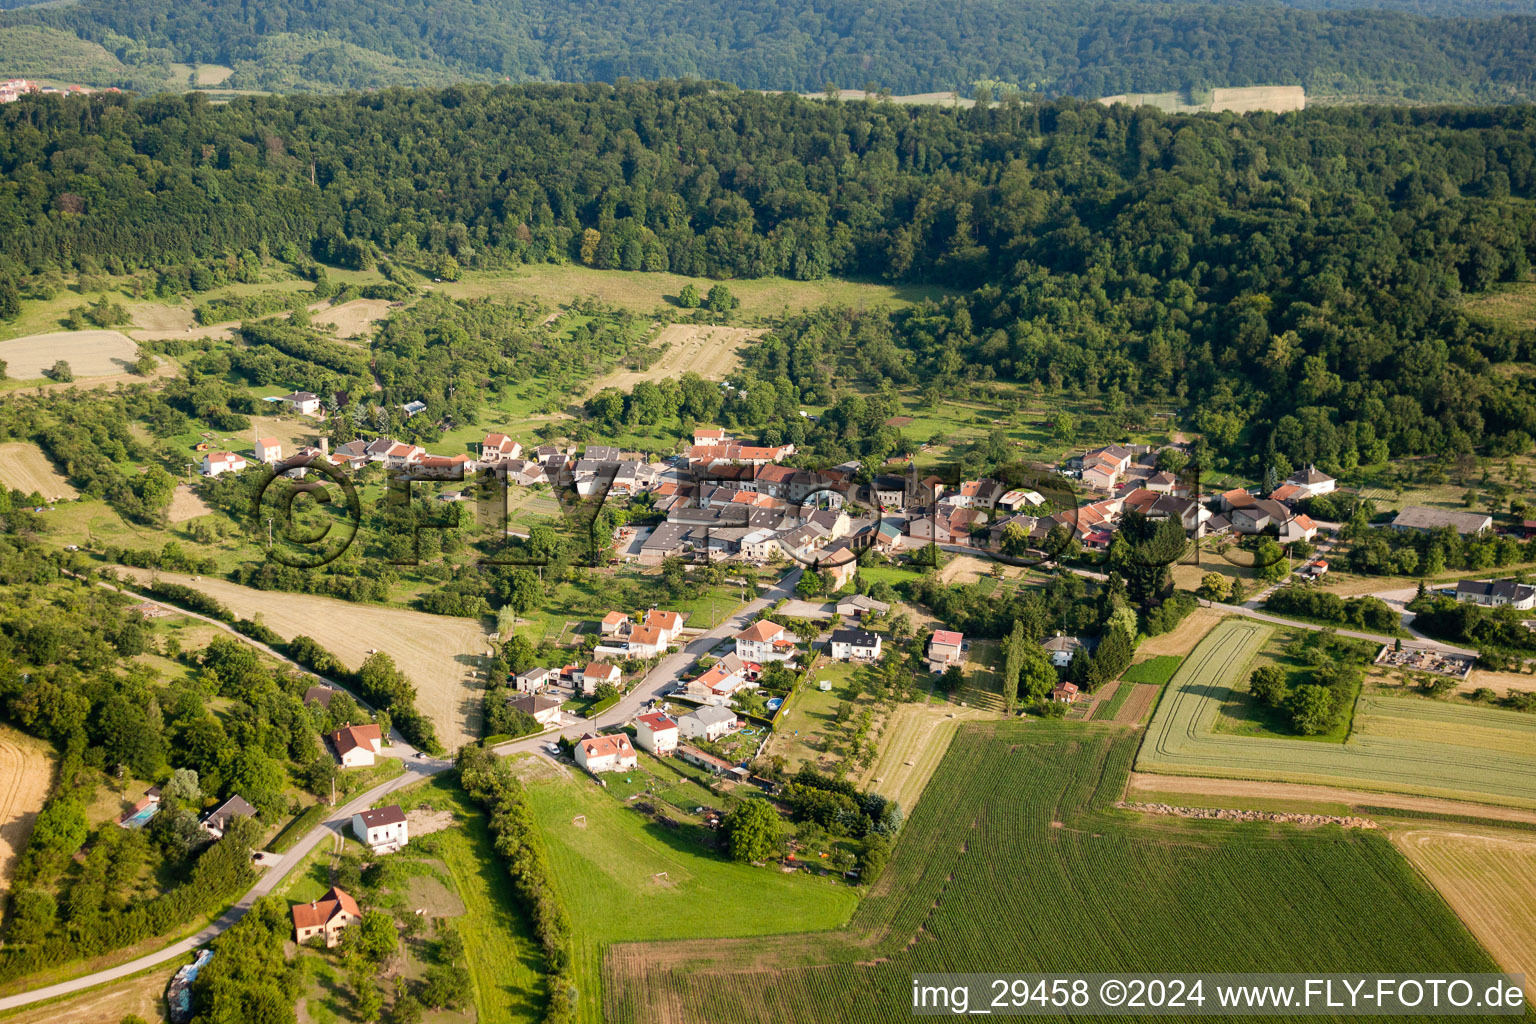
column 660, row 678
column 339, row 820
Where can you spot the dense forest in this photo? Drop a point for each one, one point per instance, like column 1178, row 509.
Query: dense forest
column 1294, row 281
column 1443, row 50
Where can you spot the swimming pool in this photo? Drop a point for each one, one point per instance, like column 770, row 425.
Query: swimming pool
column 141, row 819
column 774, row 703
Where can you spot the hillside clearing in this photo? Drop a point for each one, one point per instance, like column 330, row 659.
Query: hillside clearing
column 24, row 467
column 353, row 319
column 710, row 352
column 88, row 353
column 437, row 652
column 185, row 504
column 1490, row 881
column 26, row 773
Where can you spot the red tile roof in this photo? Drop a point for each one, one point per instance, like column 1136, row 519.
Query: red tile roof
column 316, row 914
column 354, row 736
column 948, row 636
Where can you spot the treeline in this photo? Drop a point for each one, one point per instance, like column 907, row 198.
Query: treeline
column 1368, row 613
column 1055, row 46
column 492, row 783
column 1499, row 634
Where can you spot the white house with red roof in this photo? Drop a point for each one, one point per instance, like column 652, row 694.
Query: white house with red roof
column 945, row 648
column 215, row 463
column 763, row 641
column 499, row 448
column 656, row 733
column 596, row 674
column 356, row 745
column 711, row 436
column 599, row 754
column 667, row 624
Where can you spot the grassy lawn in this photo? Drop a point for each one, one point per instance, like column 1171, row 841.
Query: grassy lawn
column 1243, row 715
column 806, row 724
column 626, row 878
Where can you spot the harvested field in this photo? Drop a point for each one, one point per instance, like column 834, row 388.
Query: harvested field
column 353, row 319
column 437, row 652
column 711, row 352
column 1233, row 793
column 143, row 994
column 186, row 505
column 1184, row 637
column 23, row 466
column 912, row 744
column 26, row 773
column 1425, row 747
column 88, row 353
column 1136, row 706
column 157, row 317
column 1490, row 881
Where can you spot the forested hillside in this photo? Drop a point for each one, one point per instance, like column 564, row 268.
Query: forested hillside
column 1293, row 282
column 1438, row 51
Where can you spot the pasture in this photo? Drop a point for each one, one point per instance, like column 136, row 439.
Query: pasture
column 626, row 878
column 26, row 774
column 1402, row 744
column 1106, row 890
column 437, row 652
column 1490, row 881
column 88, row 353
column 25, row 468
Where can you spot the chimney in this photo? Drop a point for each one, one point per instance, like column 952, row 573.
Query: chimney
column 324, row 445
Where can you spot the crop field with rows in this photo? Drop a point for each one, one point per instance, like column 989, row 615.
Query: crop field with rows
column 1017, row 859
column 1405, row 744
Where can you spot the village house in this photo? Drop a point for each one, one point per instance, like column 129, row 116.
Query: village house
column 599, row 754
column 763, row 641
column 855, row 645
column 857, row 605
column 357, row 744
column 707, row 723
column 616, row 624
column 597, row 674
column 1022, row 498
column 215, row 463
column 1061, row 648
column 383, row 829
column 656, row 733
column 326, row 917
column 303, row 402
column 524, row 473
column 442, row 467
column 709, row 436
column 1064, row 693
column 535, row 680
column 321, row 695
column 268, row 450
column 1257, row 517
column 668, row 625
column 1235, row 499
column 499, row 448
column 642, row 642
column 1310, row 482
column 945, row 648
column 1299, row 527
column 544, row 710
column 888, row 492
column 721, row 681
column 1497, row 593
column 1428, row 520
column 218, row 819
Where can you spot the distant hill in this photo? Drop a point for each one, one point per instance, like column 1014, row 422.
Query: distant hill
column 1408, row 50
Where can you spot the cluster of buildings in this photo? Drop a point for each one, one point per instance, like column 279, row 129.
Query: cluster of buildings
column 663, row 735
column 1506, row 593
column 13, row 89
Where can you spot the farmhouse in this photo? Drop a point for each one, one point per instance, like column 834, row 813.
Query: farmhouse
column 1428, row 520
column 356, row 744
column 855, row 644
column 544, row 710
column 765, row 640
column 215, row 463
column 606, row 753
column 656, row 733
column 383, row 829
column 1497, row 593
column 707, row 723
column 535, row 680
column 326, row 917
column 217, row 821
column 944, row 649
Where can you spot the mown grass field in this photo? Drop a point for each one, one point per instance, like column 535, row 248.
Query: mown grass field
column 1397, row 744
column 609, row 871
column 1016, row 858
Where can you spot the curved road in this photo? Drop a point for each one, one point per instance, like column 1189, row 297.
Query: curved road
column 659, row 678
